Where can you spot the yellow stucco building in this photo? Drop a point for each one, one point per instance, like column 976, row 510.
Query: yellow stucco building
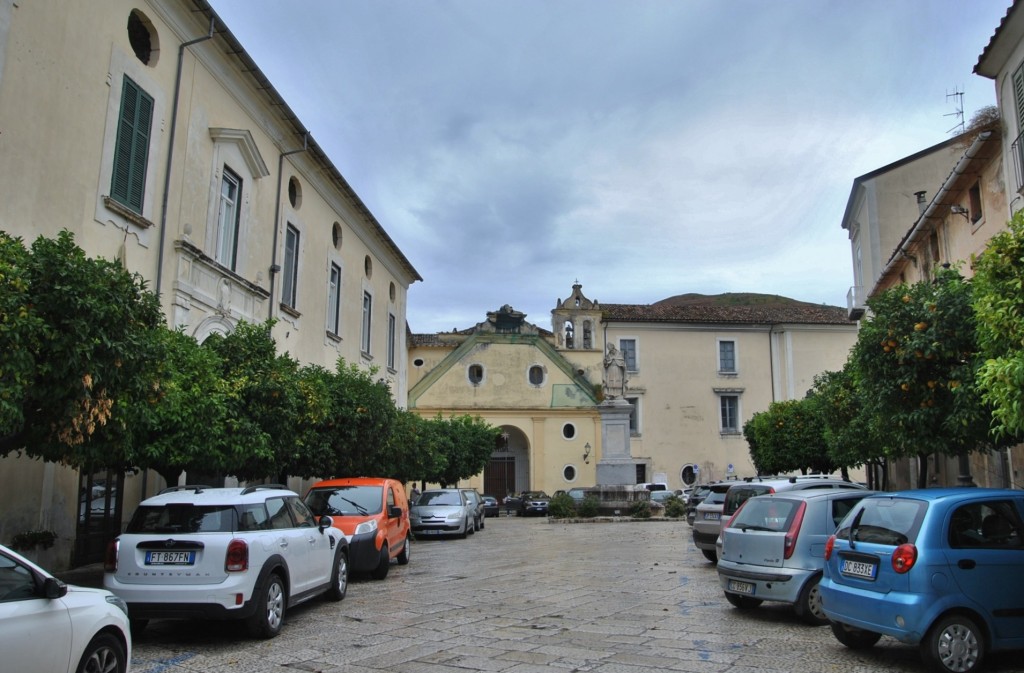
column 696, row 367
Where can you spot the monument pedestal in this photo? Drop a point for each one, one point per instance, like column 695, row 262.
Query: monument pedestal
column 616, row 466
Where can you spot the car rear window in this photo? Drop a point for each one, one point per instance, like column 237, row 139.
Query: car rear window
column 184, row 518
column 440, row 498
column 766, row 514
column 739, row 494
column 359, row 500
column 890, row 521
column 714, row 497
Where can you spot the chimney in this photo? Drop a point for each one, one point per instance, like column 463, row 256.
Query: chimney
column 921, row 201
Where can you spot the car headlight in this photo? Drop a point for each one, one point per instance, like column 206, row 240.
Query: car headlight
column 119, row 602
column 454, row 516
column 366, row 527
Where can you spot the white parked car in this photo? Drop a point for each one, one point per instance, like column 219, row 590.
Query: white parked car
column 226, row 553
column 47, row 626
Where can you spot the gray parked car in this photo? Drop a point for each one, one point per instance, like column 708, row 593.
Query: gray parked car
column 740, row 491
column 441, row 511
column 476, row 503
column 773, row 549
column 706, row 521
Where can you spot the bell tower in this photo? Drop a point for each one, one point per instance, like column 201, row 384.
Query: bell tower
column 575, row 322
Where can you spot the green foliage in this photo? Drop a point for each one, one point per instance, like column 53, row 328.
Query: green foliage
column 28, row 540
column 788, row 436
column 914, row 362
column 675, row 508
column 848, row 433
column 641, row 509
column 463, row 446
column 999, row 307
column 562, row 506
column 588, row 507
column 78, row 342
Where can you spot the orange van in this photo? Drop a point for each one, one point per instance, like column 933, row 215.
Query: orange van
column 373, row 513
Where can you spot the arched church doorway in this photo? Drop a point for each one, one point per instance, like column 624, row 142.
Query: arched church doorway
column 509, row 468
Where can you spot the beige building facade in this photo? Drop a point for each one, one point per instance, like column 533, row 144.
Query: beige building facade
column 695, row 373
column 146, row 130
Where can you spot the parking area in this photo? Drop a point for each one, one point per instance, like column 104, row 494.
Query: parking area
column 524, row 596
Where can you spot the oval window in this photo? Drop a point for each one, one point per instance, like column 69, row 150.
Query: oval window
column 569, row 473
column 568, row 430
column 476, row 374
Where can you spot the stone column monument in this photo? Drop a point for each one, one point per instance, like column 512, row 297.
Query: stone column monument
column 616, row 466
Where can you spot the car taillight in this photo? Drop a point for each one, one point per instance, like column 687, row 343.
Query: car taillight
column 904, row 557
column 794, row 530
column 110, row 560
column 237, row 558
column 830, row 544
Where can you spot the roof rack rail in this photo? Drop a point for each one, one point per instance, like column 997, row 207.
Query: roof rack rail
column 256, row 487
column 198, row 488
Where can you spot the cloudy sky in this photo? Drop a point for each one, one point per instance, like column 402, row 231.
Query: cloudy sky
column 645, row 148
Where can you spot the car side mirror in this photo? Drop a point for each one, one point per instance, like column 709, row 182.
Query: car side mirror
column 394, row 511
column 325, row 523
column 54, row 588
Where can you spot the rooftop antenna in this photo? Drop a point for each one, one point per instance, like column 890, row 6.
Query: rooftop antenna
column 958, row 111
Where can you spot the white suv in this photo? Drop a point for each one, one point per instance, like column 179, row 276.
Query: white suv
column 225, row 553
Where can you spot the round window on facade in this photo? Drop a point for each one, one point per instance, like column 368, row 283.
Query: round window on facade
column 294, row 192
column 392, row 292
column 368, row 267
column 476, row 374
column 689, row 474
column 418, row 362
column 569, row 473
column 569, row 431
column 336, row 235
column 142, row 38
column 536, row 375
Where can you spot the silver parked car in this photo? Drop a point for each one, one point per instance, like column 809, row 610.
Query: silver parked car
column 707, row 519
column 773, row 549
column 476, row 503
column 442, row 511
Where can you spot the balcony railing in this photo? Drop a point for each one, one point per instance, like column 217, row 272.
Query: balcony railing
column 855, row 302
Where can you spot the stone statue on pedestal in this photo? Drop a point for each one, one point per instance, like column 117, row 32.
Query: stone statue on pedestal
column 614, row 373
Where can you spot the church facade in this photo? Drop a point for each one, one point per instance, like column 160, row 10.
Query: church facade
column 694, row 370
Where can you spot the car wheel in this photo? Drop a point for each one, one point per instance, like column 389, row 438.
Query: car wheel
column 954, row 644
column 742, row 602
column 710, row 554
column 855, row 639
column 483, row 521
column 471, row 525
column 105, row 654
column 266, row 622
column 339, row 577
column 808, row 606
column 465, row 529
column 403, row 556
column 383, row 565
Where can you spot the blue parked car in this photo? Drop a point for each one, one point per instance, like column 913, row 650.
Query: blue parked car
column 939, row 568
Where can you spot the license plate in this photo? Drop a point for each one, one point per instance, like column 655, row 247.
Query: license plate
column 712, row 516
column 859, row 569
column 741, row 587
column 170, row 558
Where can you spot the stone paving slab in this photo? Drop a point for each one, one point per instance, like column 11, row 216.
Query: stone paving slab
column 528, row 595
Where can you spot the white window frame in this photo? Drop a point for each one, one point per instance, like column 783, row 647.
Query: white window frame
column 735, row 357
column 636, row 354
column 229, row 218
column 290, row 267
column 365, row 334
column 723, row 426
column 334, row 299
column 392, row 335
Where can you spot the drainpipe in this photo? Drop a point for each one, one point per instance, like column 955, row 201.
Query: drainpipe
column 170, row 152
column 275, row 268
column 771, row 357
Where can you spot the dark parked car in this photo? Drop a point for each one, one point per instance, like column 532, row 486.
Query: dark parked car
column 533, row 502
column 491, row 507
column 695, row 498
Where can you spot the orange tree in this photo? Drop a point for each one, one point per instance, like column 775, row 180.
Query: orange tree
column 999, row 305
column 849, row 435
column 788, row 437
column 78, row 340
column 914, row 362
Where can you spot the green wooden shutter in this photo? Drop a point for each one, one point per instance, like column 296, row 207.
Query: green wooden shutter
column 131, row 151
column 1018, row 95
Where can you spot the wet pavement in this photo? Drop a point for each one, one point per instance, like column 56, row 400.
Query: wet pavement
column 526, row 596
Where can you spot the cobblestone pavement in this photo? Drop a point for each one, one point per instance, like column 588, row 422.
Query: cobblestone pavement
column 525, row 596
